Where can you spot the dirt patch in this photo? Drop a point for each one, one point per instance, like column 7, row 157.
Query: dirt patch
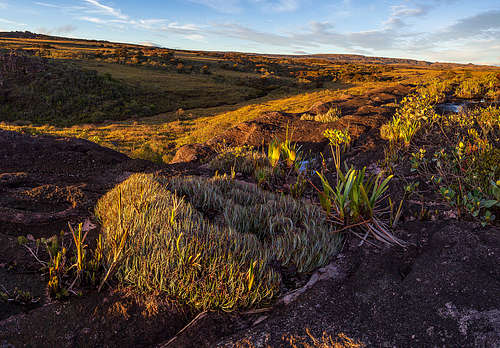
column 46, row 181
column 104, row 320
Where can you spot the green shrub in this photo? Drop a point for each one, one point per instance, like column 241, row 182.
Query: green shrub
column 413, row 113
column 355, row 201
column 50, row 91
column 297, row 232
column 464, row 165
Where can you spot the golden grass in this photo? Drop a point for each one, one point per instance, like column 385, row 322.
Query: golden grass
column 310, row 341
column 164, row 133
column 204, row 128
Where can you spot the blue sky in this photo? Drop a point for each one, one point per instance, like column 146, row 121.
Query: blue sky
column 436, row 30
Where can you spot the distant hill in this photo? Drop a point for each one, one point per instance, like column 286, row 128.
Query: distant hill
column 355, row 58
column 360, row 59
column 35, row 36
column 331, row 58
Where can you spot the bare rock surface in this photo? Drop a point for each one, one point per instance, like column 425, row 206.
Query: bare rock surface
column 442, row 292
column 192, row 153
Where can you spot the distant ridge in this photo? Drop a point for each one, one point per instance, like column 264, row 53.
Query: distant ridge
column 335, row 58
column 35, row 36
column 357, row 58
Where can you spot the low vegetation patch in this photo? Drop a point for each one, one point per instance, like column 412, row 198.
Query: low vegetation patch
column 484, row 86
column 43, row 91
column 210, row 243
column 355, row 201
column 241, row 159
column 459, row 155
column 456, row 153
column 332, row 115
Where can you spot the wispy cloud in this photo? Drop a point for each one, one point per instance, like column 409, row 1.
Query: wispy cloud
column 223, row 6
column 236, row 6
column 195, row 37
column 61, row 7
column 9, row 22
column 149, row 43
column 400, row 13
column 106, row 10
column 279, row 5
column 485, row 25
column 90, row 7
column 148, row 24
column 44, row 4
column 99, row 13
column 474, row 39
column 3, row 5
column 316, row 35
column 93, row 20
column 188, row 31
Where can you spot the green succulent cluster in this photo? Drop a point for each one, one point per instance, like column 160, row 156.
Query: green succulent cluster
column 297, row 231
column 209, row 243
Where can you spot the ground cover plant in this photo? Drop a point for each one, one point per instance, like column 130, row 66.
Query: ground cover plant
column 355, row 201
column 282, row 163
column 484, row 86
column 465, row 168
column 210, row 243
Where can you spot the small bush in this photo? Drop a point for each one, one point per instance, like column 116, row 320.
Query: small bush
column 413, row 113
column 355, row 201
column 464, row 166
column 242, row 159
column 332, row 115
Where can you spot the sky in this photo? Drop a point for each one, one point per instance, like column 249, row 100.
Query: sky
column 461, row 31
